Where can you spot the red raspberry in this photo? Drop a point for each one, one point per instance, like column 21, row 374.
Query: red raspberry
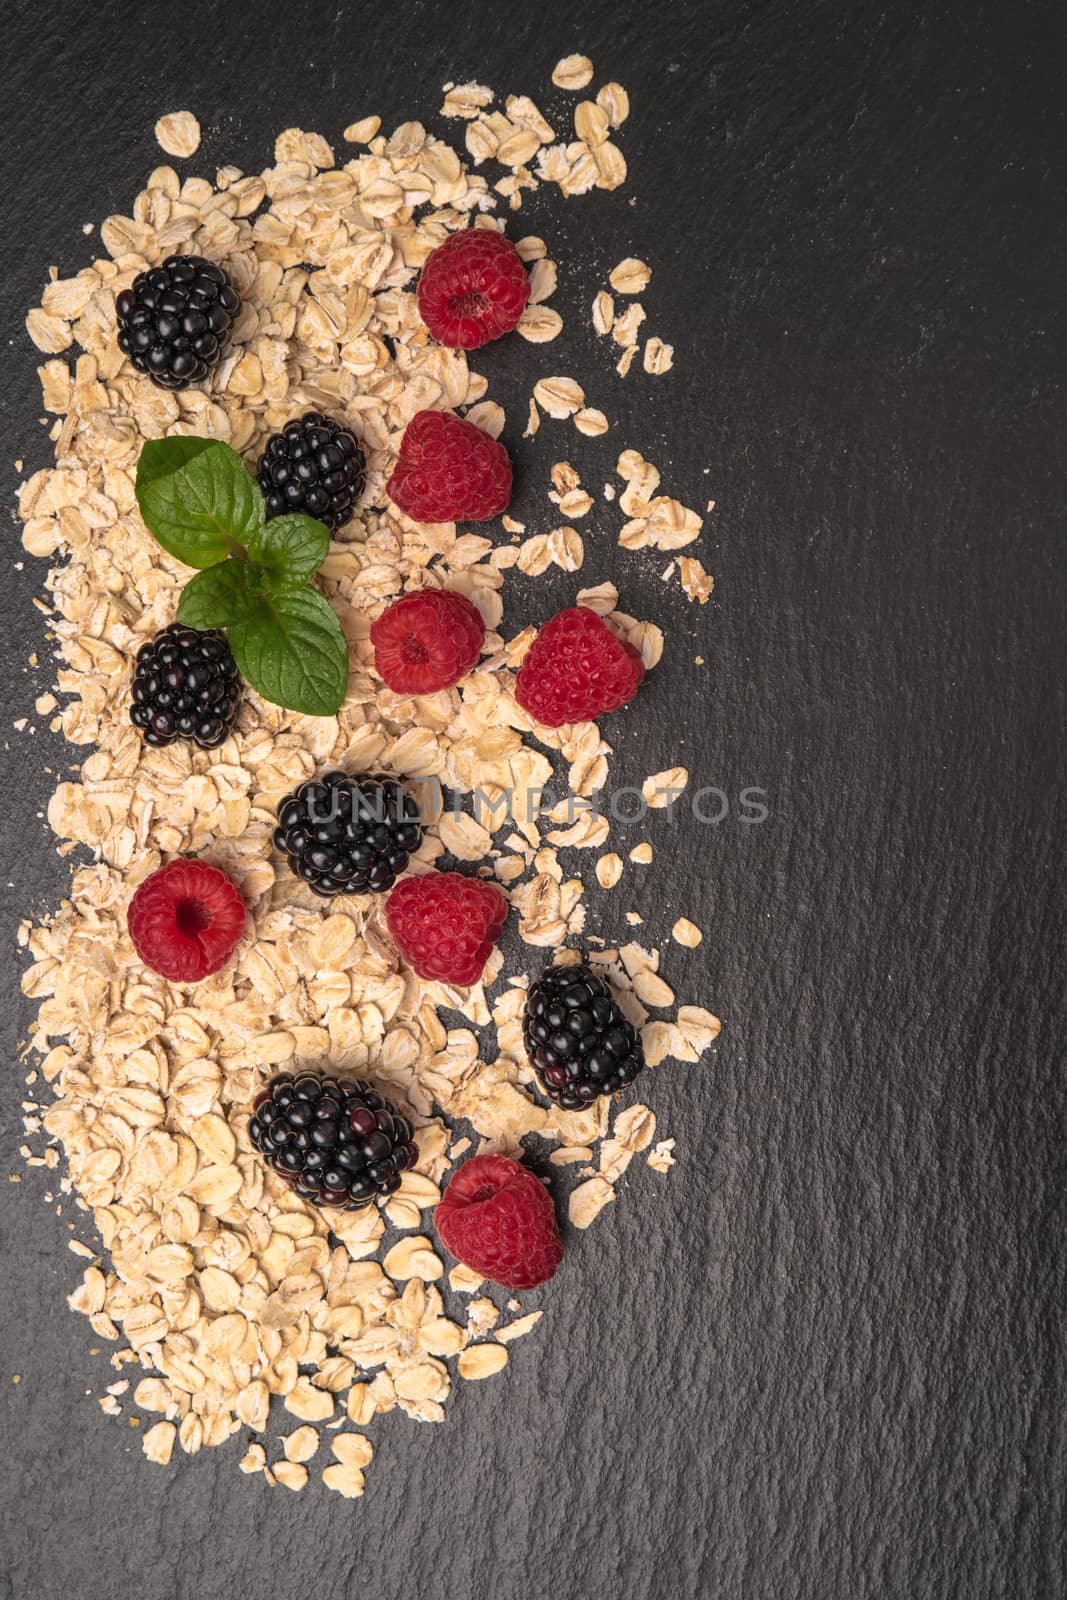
column 473, row 288
column 577, row 669
column 496, row 1218
column 445, row 925
column 185, row 920
column 449, row 471
column 427, row 640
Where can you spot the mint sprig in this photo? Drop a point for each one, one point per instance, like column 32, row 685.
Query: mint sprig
column 203, row 505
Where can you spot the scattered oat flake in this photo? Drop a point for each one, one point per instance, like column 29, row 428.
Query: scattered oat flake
column 352, row 1449
column 291, row 1475
column 560, row 397
column 414, row 1258
column 697, row 583
column 576, row 503
column 346, row 1481
column 301, row 1445
column 698, row 1027
column 465, row 1280
column 651, row 990
column 687, row 933
column 588, row 1200
column 482, row 1361
column 540, row 324
column 591, row 123
column 661, row 1158
column 658, row 357
column 519, row 1328
column 615, row 101
column 179, row 134
column 641, row 852
column 567, row 1155
column 624, row 328
column 466, row 100
column 590, row 422
column 573, row 72
column 602, row 599
column 662, row 789
column 49, row 333
column 603, row 312
column 362, row 132
column 309, row 1403
column 609, row 870
column 631, row 276
column 157, row 1442
column 610, row 165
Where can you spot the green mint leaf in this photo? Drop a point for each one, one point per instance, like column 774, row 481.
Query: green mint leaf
column 198, row 498
column 293, row 651
column 290, row 550
column 257, row 578
column 218, row 596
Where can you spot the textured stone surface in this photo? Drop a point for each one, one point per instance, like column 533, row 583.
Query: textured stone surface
column 824, row 1358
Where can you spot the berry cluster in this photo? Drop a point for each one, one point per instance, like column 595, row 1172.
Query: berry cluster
column 315, row 466
column 578, row 1041
column 335, row 1140
column 185, row 686
column 175, row 321
column 349, row 835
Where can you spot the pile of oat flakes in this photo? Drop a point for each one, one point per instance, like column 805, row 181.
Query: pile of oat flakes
column 217, row 1286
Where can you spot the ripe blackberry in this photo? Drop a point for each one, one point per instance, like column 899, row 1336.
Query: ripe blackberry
column 578, row 1041
column 174, row 323
column 335, row 1140
column 185, row 687
column 349, row 835
column 314, row 465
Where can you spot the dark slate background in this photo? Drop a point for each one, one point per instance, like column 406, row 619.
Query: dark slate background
column 825, row 1358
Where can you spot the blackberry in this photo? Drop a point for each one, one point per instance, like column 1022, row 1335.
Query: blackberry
column 175, row 321
column 314, row 465
column 185, row 686
column 578, row 1041
column 335, row 1140
column 349, row 835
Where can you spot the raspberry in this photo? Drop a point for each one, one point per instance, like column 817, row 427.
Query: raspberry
column 449, row 471
column 577, row 669
column 185, row 920
column 497, row 1219
column 473, row 288
column 445, row 925
column 427, row 640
